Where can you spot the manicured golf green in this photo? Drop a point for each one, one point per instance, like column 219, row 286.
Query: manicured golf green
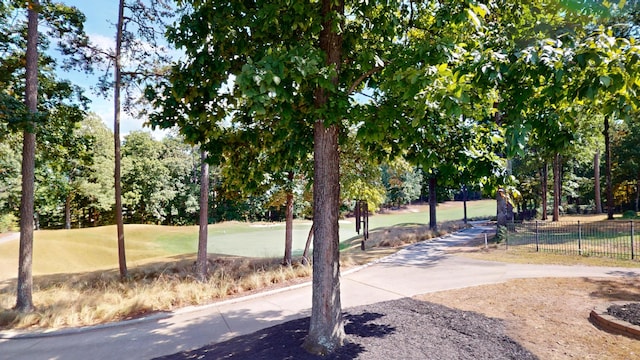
column 79, row 250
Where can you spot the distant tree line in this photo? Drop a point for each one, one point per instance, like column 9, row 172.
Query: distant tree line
column 161, row 182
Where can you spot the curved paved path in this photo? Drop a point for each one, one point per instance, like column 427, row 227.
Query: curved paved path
column 6, row 237
column 418, row 269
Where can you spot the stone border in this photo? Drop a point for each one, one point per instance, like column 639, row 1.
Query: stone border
column 606, row 322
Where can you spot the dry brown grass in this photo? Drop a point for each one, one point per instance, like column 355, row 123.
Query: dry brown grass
column 93, row 298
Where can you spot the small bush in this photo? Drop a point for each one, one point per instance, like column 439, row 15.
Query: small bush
column 629, row 214
column 501, row 234
column 8, row 222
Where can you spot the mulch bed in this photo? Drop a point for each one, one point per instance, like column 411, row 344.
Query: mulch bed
column 399, row 329
column 627, row 312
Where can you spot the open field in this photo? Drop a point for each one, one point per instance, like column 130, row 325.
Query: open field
column 90, row 249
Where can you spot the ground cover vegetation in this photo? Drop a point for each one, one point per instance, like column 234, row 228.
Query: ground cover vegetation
column 301, row 114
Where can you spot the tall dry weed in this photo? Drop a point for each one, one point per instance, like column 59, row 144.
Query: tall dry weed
column 99, row 297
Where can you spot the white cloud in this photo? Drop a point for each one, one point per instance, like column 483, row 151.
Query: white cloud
column 103, row 42
column 104, row 109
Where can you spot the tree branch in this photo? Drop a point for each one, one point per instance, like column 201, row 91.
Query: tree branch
column 363, row 77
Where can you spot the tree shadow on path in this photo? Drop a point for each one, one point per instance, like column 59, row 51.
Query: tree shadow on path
column 285, row 341
column 397, row 329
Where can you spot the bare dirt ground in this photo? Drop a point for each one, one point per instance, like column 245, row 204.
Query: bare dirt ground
column 548, row 316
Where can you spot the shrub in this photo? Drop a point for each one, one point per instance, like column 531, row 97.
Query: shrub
column 501, row 234
column 629, row 214
column 8, row 222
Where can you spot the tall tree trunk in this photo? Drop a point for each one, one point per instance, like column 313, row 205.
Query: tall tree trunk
column 326, row 329
column 503, row 216
column 67, row 212
column 557, row 186
column 464, row 200
column 596, row 178
column 607, row 157
column 305, row 253
column 288, row 233
column 122, row 259
column 203, row 233
column 24, row 301
column 544, row 178
column 433, row 203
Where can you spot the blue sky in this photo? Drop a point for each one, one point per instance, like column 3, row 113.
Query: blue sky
column 100, row 17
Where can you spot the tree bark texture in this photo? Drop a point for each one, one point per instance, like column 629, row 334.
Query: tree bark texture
column 596, row 182
column 433, row 203
column 122, row 259
column 544, row 178
column 24, row 301
column 326, row 329
column 288, row 233
column 203, row 233
column 607, row 156
column 305, row 253
column 504, row 211
column 557, row 186
column 67, row 212
column 464, row 200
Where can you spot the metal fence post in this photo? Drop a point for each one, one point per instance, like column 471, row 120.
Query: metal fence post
column 579, row 238
column 633, row 255
column 537, row 240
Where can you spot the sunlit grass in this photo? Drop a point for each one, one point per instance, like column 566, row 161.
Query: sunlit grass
column 90, row 249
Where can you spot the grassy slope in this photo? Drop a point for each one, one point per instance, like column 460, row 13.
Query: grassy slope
column 80, row 250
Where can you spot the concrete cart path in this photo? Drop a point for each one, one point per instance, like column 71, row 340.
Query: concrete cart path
column 6, row 237
column 418, row 269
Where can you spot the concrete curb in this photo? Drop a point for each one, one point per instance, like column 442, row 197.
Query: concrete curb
column 599, row 316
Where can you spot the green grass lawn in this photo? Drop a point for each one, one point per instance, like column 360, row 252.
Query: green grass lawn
column 79, row 250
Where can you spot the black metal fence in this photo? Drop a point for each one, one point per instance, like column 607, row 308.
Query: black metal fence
column 614, row 239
